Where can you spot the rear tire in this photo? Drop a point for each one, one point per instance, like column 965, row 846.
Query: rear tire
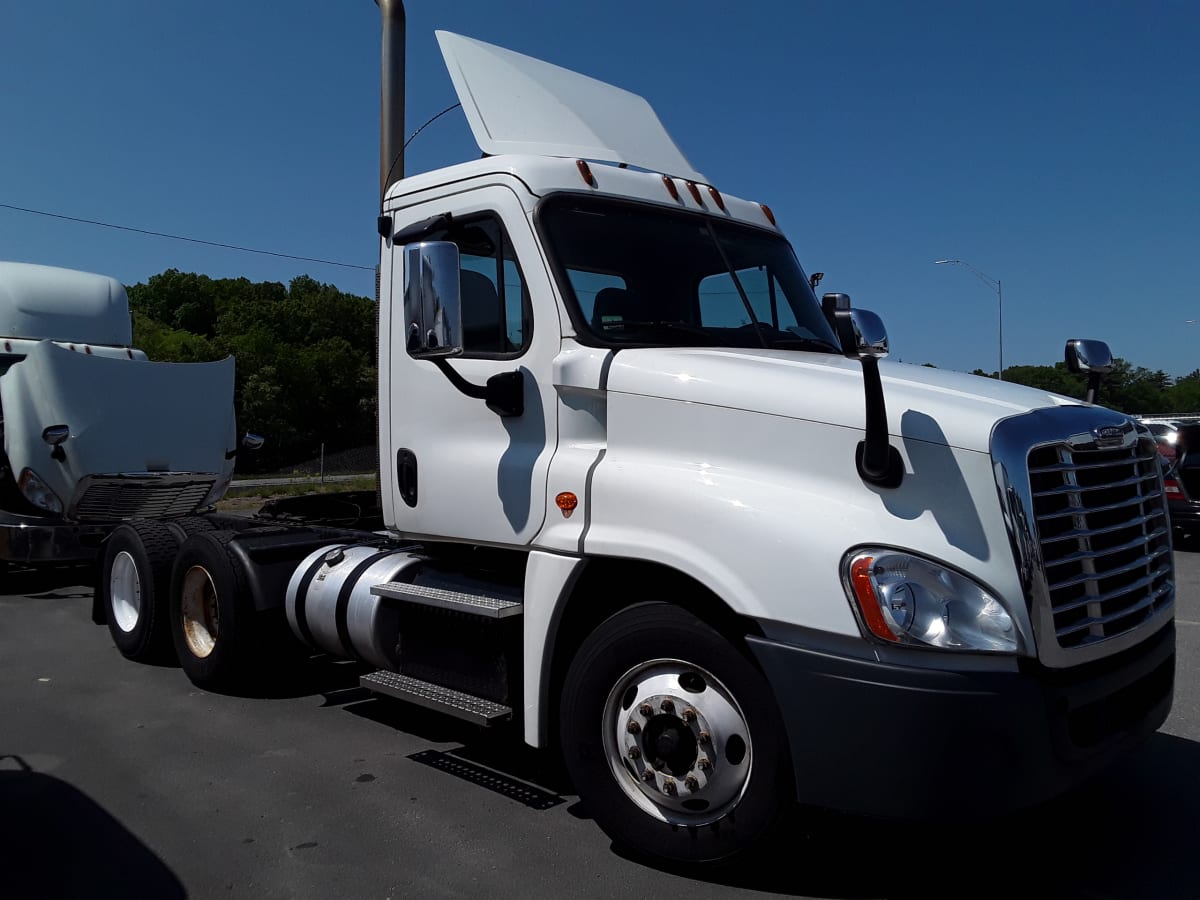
column 672, row 738
column 212, row 614
column 134, row 583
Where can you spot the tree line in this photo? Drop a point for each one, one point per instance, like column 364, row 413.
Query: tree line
column 1128, row 388
column 305, row 356
column 306, row 363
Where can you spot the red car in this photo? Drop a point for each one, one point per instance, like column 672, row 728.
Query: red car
column 1182, row 483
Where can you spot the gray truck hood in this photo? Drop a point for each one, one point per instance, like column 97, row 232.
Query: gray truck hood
column 126, row 416
column 956, row 409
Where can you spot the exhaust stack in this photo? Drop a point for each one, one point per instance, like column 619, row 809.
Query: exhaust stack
column 391, row 95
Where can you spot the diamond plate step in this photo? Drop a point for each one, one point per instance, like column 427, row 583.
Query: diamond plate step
column 434, row 696
column 475, row 604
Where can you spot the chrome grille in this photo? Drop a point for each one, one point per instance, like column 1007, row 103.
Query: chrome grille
column 1104, row 537
column 114, row 499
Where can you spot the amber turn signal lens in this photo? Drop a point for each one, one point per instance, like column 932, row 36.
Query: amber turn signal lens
column 868, row 603
column 566, row 501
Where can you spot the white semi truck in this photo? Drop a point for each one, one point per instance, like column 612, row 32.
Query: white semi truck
column 648, row 499
column 94, row 433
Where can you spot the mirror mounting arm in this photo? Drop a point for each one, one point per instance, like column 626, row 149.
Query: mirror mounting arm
column 504, row 393
column 878, row 462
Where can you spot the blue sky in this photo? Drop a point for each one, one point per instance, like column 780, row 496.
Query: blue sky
column 1053, row 145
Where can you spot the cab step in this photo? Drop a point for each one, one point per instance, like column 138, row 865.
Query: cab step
column 462, row 705
column 485, row 605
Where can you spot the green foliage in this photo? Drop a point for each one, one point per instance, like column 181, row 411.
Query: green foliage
column 305, row 355
column 1128, row 388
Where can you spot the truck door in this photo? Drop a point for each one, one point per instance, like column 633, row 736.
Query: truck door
column 466, row 472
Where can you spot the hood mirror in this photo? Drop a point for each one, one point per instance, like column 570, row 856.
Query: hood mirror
column 1090, row 358
column 863, row 337
column 55, row 436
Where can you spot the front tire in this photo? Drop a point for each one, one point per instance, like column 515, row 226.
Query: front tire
column 671, row 737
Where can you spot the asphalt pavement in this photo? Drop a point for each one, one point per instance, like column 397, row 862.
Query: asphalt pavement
column 123, row 780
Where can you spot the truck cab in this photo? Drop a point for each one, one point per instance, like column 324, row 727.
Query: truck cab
column 646, row 403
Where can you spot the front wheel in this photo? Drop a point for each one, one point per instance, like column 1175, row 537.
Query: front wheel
column 671, row 737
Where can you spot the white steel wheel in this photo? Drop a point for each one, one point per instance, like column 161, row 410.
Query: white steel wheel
column 201, row 617
column 672, row 738
column 677, row 742
column 132, row 587
column 125, row 591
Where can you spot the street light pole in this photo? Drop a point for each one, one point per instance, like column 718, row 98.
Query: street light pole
column 994, row 284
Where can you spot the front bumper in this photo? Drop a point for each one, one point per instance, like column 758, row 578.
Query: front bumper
column 33, row 539
column 883, row 739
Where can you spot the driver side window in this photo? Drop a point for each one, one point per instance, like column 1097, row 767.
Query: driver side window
column 496, row 316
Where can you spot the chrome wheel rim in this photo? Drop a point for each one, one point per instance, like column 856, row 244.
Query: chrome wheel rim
column 125, row 592
column 201, row 618
column 677, row 742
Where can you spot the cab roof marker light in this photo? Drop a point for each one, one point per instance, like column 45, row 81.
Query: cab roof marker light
column 767, row 212
column 694, row 190
column 586, row 171
column 671, row 189
column 717, row 198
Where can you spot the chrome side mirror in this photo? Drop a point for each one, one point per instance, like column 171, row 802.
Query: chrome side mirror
column 252, row 441
column 1090, row 358
column 870, row 337
column 1087, row 357
column 432, row 300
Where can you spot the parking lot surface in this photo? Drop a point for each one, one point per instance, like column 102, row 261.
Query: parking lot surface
column 124, row 780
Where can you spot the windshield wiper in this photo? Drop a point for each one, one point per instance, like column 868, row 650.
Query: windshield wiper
column 804, row 343
column 676, row 328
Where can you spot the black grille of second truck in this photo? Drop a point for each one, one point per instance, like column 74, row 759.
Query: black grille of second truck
column 113, row 501
column 1104, row 536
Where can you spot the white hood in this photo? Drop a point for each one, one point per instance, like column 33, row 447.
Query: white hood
column 956, row 409
column 517, row 104
column 125, row 416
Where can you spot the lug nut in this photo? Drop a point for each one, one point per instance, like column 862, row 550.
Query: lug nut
column 689, row 716
column 646, row 710
column 691, row 783
column 633, row 727
column 635, row 753
column 669, row 788
column 704, row 738
column 705, row 764
column 648, row 775
column 667, row 706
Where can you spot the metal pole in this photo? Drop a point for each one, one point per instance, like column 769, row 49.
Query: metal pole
column 1000, row 299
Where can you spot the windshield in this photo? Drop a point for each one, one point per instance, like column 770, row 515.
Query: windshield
column 641, row 275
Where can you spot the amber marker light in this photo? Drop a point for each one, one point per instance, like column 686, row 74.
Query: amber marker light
column 767, row 212
column 586, row 171
column 566, row 501
column 868, row 603
column 717, row 198
column 671, row 189
column 694, row 190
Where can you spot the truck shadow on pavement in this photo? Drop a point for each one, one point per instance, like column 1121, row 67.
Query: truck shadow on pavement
column 1130, row 833
column 55, row 841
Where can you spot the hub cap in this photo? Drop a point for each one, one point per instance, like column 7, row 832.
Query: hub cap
column 125, row 592
column 201, row 621
column 677, row 742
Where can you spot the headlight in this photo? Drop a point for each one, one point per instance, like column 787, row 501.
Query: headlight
column 906, row 599
column 37, row 493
